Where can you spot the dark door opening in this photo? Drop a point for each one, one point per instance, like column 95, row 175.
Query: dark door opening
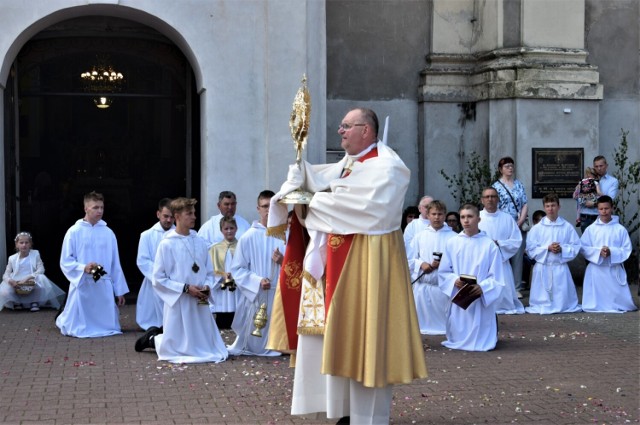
column 139, row 150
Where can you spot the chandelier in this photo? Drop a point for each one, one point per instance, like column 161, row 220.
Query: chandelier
column 102, row 80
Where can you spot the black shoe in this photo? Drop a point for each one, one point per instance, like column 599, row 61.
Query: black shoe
column 146, row 340
column 344, row 420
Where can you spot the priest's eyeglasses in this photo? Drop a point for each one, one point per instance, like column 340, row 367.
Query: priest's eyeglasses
column 347, row 127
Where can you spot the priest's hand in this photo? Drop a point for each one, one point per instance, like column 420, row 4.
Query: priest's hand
column 605, row 252
column 120, row 300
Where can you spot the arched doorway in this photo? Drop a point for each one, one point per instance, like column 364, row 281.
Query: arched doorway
column 59, row 145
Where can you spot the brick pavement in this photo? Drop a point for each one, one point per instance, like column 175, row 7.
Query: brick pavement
column 561, row 369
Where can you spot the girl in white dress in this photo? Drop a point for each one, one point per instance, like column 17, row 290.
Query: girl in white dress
column 24, row 268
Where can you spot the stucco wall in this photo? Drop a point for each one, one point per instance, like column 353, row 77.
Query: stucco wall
column 248, row 58
column 375, row 52
column 612, row 38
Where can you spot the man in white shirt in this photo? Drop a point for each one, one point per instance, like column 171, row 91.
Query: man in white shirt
column 608, row 186
column 149, row 305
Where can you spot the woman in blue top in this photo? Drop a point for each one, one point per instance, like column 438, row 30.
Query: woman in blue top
column 513, row 201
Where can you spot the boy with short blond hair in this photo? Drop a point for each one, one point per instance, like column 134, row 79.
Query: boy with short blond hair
column 426, row 248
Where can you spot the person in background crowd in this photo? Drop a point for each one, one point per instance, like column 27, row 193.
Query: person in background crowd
column 608, row 186
column 408, row 215
column 453, row 221
column 417, row 225
column 588, row 190
column 513, row 201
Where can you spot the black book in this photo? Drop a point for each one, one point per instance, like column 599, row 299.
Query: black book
column 464, row 298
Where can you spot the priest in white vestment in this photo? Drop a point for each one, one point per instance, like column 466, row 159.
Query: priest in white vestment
column 360, row 336
column 255, row 268
column 552, row 243
column 149, row 305
column 472, row 252
column 91, row 310
column 504, row 231
column 182, row 274
column 431, row 302
column 606, row 245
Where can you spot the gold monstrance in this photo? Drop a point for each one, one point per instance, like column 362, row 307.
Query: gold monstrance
column 299, row 126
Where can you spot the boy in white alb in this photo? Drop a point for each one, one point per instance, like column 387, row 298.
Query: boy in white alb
column 427, row 247
column 183, row 277
column 89, row 247
column 606, row 245
column 472, row 252
column 225, row 295
column 552, row 243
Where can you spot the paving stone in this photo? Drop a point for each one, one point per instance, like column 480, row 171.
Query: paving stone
column 560, row 369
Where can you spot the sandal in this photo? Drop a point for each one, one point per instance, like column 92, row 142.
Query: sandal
column 17, row 306
column 35, row 307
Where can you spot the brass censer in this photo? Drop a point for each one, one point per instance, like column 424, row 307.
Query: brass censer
column 299, row 126
column 260, row 320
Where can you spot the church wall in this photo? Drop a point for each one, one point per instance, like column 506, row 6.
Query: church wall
column 553, row 23
column 375, row 52
column 612, row 37
column 248, row 59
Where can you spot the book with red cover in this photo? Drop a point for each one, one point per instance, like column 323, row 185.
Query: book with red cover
column 464, row 298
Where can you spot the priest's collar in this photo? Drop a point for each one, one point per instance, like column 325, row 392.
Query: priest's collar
column 364, row 152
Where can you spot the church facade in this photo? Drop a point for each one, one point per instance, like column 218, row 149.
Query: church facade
column 209, row 86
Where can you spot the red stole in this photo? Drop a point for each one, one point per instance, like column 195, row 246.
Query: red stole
column 338, row 247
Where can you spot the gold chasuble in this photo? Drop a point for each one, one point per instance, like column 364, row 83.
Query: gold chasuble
column 356, row 268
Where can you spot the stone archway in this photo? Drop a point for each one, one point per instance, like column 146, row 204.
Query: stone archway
column 141, row 149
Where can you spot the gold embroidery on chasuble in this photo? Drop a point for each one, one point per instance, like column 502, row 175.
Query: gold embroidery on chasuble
column 311, row 320
column 335, row 241
column 293, row 271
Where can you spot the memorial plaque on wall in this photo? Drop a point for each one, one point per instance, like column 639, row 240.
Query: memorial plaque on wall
column 556, row 170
